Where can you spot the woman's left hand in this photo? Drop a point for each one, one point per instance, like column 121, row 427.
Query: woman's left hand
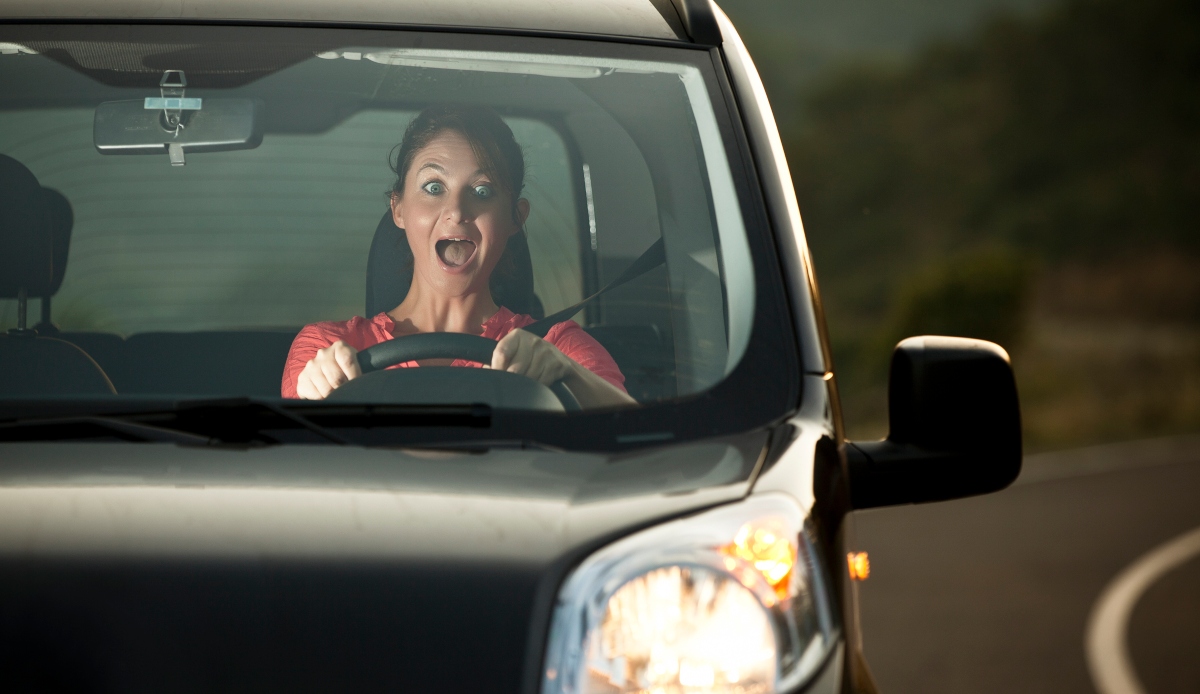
column 528, row 355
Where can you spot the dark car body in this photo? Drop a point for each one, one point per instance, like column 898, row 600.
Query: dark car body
column 169, row 567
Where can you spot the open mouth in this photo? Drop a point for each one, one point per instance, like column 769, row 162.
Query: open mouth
column 455, row 252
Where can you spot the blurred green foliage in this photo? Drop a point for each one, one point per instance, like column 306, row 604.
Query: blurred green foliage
column 939, row 195
column 982, row 295
column 1078, row 133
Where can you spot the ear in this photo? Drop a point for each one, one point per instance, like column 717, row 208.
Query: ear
column 522, row 212
column 398, row 212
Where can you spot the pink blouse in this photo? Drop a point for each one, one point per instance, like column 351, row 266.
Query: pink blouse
column 361, row 333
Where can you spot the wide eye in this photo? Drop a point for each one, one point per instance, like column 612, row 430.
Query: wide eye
column 434, row 188
column 483, row 191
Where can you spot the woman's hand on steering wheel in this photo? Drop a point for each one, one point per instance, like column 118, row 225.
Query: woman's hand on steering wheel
column 526, row 354
column 330, row 368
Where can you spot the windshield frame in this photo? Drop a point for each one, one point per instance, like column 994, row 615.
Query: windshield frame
column 762, row 389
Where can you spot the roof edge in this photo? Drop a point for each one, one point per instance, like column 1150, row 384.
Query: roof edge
column 699, row 21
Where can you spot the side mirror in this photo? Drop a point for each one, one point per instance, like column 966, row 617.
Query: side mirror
column 955, row 426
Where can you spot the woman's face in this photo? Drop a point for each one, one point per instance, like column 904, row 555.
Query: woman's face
column 456, row 218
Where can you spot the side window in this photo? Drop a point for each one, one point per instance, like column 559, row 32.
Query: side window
column 635, row 322
column 553, row 227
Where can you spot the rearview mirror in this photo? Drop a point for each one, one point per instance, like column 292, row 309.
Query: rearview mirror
column 186, row 125
column 954, row 426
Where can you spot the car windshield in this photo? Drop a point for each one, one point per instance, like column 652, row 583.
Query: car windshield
column 216, row 207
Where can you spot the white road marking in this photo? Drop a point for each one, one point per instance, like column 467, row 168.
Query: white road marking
column 1105, row 639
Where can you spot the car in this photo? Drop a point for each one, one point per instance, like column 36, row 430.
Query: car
column 199, row 200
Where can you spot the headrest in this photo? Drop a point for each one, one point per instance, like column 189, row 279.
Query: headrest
column 390, row 271
column 35, row 232
column 62, row 220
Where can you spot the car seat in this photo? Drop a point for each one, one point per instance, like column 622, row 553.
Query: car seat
column 35, row 226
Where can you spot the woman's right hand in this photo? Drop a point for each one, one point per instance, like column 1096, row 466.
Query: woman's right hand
column 330, row 368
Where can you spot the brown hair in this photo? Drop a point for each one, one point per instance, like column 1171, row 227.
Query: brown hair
column 491, row 140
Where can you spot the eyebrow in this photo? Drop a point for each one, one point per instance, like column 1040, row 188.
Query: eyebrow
column 439, row 169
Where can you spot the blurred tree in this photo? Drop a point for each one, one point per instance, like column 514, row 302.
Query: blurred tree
column 1071, row 139
column 983, row 295
column 1077, row 134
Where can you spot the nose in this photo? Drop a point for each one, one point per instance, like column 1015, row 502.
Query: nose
column 459, row 208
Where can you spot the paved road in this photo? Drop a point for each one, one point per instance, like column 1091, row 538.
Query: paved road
column 993, row 594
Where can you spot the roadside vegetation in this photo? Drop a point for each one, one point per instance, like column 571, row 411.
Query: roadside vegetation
column 1036, row 184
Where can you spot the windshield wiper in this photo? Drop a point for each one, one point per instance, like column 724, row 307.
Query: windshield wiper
column 91, row 428
column 304, row 422
column 485, row 445
column 228, row 421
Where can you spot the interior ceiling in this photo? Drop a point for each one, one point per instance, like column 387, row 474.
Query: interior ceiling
column 135, row 64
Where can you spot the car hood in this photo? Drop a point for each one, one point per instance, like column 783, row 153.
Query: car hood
column 315, row 501
column 148, row 567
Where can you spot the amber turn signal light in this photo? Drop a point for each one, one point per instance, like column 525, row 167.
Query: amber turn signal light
column 860, row 566
column 765, row 547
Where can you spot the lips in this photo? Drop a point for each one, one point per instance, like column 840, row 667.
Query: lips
column 455, row 252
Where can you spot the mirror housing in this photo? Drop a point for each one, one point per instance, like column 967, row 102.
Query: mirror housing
column 134, row 127
column 954, row 426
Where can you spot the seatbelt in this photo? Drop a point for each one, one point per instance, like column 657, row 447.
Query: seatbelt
column 653, row 256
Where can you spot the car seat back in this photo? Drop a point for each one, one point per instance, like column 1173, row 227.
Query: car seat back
column 32, row 262
column 32, row 367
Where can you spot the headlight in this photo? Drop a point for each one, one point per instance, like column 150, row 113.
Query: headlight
column 731, row 601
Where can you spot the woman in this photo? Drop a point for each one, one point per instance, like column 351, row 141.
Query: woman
column 459, row 174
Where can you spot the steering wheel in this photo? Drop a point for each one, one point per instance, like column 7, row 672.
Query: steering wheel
column 444, row 346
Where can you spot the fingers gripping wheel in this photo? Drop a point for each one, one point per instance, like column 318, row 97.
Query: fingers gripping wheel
column 444, row 346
